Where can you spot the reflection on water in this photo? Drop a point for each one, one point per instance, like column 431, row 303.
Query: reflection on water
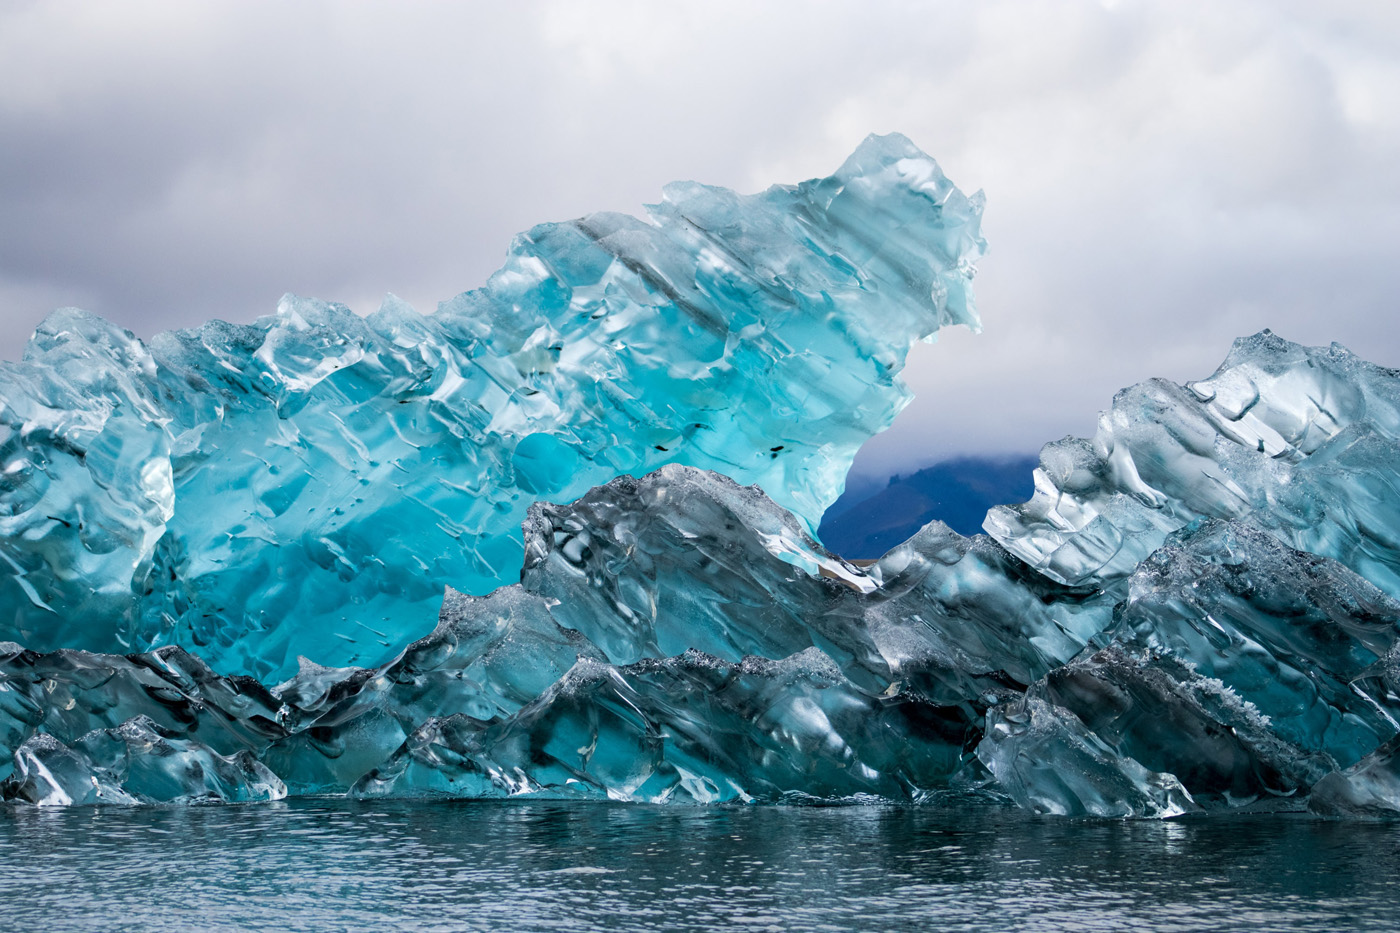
column 317, row 865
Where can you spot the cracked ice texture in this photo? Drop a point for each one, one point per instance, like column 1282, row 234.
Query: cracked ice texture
column 846, row 681
column 1199, row 609
column 307, row 484
column 1240, row 668
column 1302, row 439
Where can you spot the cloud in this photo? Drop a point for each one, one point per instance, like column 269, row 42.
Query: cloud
column 1161, row 176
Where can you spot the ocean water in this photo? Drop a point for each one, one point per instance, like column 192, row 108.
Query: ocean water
column 322, row 865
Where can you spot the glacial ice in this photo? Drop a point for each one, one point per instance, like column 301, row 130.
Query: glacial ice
column 1198, row 610
column 306, row 485
column 1278, row 431
column 137, row 762
column 1046, row 759
column 683, row 559
column 556, row 686
column 1369, row 788
column 693, row 728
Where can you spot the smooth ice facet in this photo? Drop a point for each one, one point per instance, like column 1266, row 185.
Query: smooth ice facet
column 1246, row 670
column 1046, row 760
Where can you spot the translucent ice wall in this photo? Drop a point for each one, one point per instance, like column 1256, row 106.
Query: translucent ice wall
column 679, row 637
column 1198, row 610
column 1304, row 440
column 307, row 484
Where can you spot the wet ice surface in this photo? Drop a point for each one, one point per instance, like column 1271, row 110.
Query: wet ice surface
column 325, row 864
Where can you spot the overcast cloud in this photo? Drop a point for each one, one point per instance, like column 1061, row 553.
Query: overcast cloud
column 1161, row 177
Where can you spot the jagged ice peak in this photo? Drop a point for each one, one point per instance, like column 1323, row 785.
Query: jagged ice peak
column 613, row 457
column 307, row 484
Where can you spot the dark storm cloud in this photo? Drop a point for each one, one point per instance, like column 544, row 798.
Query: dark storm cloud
column 1161, row 177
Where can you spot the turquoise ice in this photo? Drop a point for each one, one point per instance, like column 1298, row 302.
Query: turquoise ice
column 308, row 484
column 599, row 476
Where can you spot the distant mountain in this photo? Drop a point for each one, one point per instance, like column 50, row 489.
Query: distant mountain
column 867, row 522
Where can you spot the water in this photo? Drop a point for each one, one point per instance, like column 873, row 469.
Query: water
column 321, row 865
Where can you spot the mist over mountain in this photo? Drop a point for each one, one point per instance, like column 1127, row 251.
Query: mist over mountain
column 869, row 519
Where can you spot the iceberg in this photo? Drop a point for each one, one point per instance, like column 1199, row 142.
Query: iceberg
column 687, row 560
column 209, row 487
column 1279, row 431
column 604, row 471
column 865, row 682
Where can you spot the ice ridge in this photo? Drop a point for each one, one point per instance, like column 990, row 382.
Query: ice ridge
column 1198, row 611
column 308, row 484
column 680, row 637
column 1302, row 439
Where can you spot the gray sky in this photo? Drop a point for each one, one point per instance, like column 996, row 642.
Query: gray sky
column 1161, row 177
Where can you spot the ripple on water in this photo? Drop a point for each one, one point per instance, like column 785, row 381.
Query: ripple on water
column 316, row 865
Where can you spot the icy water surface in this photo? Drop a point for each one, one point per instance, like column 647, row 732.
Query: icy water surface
column 314, row 865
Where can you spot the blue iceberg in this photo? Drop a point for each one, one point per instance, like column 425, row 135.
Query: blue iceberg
column 309, row 483
column 1301, row 439
column 603, row 472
